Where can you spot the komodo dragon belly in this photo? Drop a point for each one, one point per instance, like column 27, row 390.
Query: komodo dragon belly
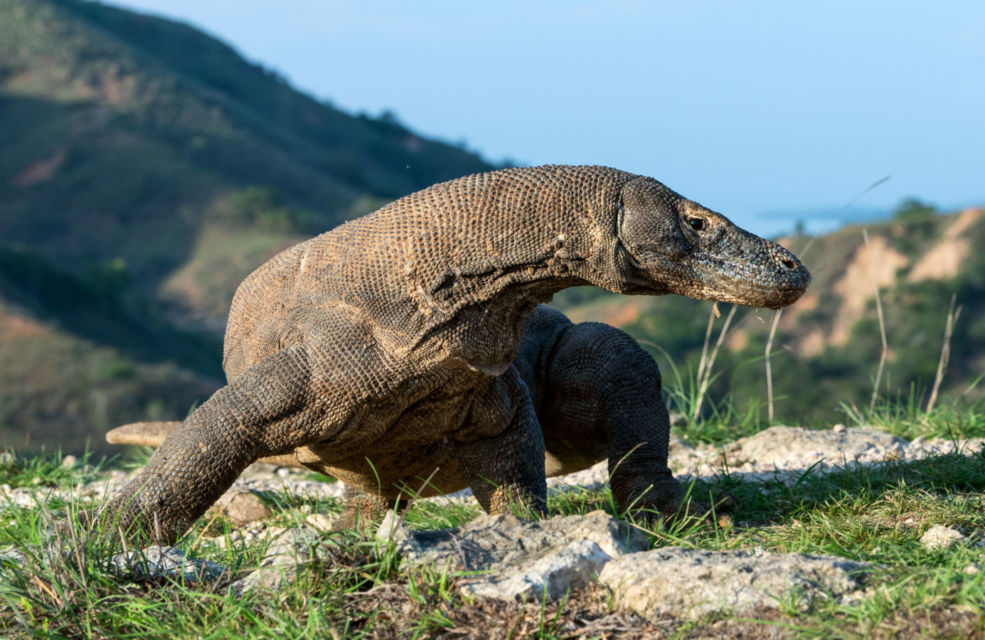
column 405, row 444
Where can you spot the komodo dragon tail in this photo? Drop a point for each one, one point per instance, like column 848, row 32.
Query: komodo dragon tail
column 152, row 434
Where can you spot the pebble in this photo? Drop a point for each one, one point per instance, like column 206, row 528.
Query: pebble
column 941, row 537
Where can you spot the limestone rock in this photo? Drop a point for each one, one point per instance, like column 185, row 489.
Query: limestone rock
column 940, row 537
column 392, row 528
column 165, row 562
column 242, row 507
column 523, row 560
column 781, row 446
column 691, row 583
column 11, row 555
column 288, row 552
column 321, row 521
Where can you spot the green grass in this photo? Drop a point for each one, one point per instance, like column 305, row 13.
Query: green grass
column 45, row 470
column 63, row 586
column 955, row 416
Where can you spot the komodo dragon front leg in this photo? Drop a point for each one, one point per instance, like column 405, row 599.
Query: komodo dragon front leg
column 505, row 471
column 498, row 453
column 266, row 411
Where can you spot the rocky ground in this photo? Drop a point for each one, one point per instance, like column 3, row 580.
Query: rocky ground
column 501, row 558
column 781, row 453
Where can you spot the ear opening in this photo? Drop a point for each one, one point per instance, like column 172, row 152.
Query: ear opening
column 645, row 219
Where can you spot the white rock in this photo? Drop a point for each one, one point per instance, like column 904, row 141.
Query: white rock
column 940, row 537
column 522, row 560
column 287, row 553
column 9, row 554
column 787, row 447
column 165, row 562
column 241, row 507
column 691, row 583
column 567, row 567
column 392, row 528
column 320, row 521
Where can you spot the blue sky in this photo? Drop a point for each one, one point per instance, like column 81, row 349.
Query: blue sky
column 766, row 111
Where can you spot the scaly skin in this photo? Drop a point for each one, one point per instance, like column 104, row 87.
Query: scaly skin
column 386, row 351
column 596, row 394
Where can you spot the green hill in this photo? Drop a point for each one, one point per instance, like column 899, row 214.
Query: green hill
column 146, row 169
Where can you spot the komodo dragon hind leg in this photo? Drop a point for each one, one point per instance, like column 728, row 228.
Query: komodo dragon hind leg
column 264, row 411
column 602, row 393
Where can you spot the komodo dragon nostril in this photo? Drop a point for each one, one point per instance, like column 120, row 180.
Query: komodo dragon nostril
column 788, row 263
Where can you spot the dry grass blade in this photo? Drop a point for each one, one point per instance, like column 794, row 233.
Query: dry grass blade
column 414, row 496
column 952, row 318
column 41, row 584
column 769, row 366
column 705, row 381
column 704, row 348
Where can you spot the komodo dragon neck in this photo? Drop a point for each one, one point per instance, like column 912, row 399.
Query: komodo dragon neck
column 461, row 264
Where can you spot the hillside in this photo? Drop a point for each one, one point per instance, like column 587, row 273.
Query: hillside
column 146, row 169
column 828, row 345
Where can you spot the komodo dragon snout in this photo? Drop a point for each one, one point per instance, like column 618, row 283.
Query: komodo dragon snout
column 681, row 247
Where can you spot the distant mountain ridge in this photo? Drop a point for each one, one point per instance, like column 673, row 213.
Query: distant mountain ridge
column 146, row 169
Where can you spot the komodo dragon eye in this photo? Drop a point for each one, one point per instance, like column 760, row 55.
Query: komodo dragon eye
column 696, row 223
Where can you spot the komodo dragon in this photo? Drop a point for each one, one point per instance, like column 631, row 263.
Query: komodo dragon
column 384, row 352
column 596, row 395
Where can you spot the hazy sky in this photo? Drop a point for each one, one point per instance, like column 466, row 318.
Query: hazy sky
column 764, row 111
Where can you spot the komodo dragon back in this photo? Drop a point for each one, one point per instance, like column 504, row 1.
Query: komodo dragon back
column 385, row 351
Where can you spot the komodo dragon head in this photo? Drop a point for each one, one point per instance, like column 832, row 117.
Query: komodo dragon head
column 677, row 246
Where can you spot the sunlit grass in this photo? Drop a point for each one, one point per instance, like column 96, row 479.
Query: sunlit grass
column 57, row 582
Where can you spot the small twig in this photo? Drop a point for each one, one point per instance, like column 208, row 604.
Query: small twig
column 48, row 590
column 77, row 548
column 952, row 317
column 882, row 328
column 769, row 367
